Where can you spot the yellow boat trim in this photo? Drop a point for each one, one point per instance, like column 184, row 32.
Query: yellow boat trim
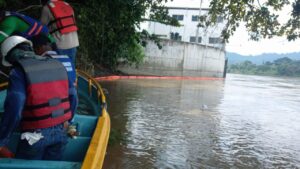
column 94, row 157
column 93, row 82
column 5, row 84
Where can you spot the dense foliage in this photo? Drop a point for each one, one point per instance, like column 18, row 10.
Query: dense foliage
column 261, row 17
column 108, row 30
column 280, row 67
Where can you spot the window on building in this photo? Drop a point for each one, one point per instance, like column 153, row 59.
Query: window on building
column 193, row 39
column 195, row 18
column 178, row 17
column 199, row 39
column 172, row 35
column 175, row 36
column 179, row 38
column 220, row 19
column 214, row 40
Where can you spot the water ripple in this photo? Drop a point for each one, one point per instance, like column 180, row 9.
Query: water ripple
column 244, row 122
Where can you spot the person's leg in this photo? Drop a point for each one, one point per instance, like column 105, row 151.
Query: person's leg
column 30, row 152
column 56, row 149
column 70, row 52
column 55, row 152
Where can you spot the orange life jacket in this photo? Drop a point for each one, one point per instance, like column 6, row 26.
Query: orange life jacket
column 64, row 17
column 47, row 102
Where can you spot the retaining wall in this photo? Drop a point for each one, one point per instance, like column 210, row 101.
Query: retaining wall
column 179, row 59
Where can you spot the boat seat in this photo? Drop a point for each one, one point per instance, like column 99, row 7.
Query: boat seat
column 37, row 164
column 86, row 128
column 86, row 124
column 71, row 153
column 76, row 149
column 2, row 97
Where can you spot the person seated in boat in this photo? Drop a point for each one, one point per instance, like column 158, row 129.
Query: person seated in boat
column 42, row 46
column 13, row 23
column 38, row 100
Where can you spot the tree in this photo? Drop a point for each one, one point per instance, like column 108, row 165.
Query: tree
column 280, row 67
column 260, row 17
column 108, row 30
column 283, row 61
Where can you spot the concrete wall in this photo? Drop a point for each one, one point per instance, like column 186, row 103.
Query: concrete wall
column 180, row 59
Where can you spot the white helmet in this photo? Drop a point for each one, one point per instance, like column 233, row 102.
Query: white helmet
column 8, row 44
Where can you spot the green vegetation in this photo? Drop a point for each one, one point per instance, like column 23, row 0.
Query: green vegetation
column 108, row 30
column 260, row 17
column 280, row 67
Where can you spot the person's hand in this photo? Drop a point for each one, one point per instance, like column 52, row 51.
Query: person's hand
column 6, row 153
column 72, row 131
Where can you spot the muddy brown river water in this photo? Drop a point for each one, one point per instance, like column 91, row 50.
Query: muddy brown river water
column 241, row 122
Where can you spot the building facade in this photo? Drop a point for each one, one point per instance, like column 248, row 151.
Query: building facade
column 188, row 31
column 187, row 50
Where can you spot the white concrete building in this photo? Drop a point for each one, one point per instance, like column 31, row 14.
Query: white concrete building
column 182, row 54
column 188, row 18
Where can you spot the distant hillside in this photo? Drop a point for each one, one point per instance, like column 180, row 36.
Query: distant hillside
column 234, row 58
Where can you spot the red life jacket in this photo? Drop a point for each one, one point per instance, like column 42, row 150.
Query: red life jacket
column 47, row 102
column 64, row 17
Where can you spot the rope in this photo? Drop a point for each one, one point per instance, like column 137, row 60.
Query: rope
column 29, row 7
column 4, row 74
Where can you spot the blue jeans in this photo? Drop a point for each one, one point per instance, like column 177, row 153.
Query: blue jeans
column 70, row 52
column 51, row 147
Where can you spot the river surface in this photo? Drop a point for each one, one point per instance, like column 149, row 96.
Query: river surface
column 241, row 122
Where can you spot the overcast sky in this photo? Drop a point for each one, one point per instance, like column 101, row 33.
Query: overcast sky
column 240, row 43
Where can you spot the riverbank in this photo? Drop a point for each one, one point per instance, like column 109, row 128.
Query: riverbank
column 265, row 75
